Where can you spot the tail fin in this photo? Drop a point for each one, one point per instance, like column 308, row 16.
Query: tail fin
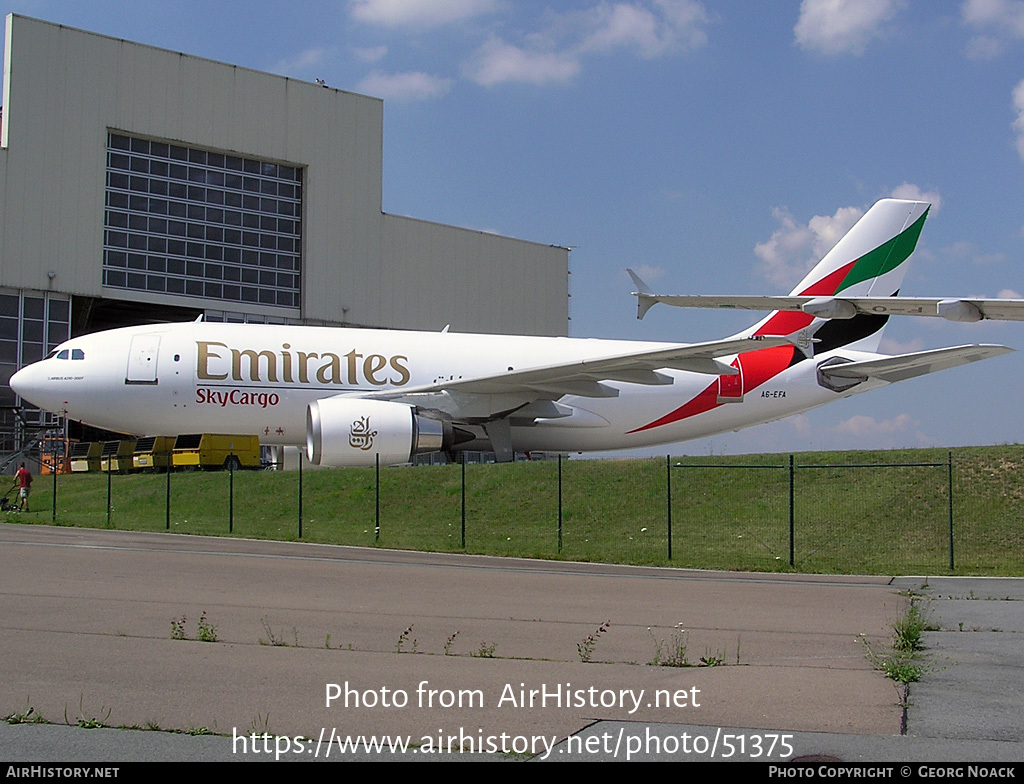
column 870, row 260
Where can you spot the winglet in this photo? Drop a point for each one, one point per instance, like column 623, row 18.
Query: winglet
column 644, row 300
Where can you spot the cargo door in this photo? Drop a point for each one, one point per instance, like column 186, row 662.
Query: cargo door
column 142, row 358
column 730, row 388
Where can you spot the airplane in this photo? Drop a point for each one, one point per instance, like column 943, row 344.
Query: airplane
column 359, row 396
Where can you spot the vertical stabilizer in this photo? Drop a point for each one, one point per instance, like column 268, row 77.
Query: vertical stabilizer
column 870, row 260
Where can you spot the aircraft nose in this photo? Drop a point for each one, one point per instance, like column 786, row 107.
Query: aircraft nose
column 20, row 382
column 27, row 383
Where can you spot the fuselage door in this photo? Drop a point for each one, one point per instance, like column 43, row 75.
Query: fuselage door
column 730, row 388
column 142, row 357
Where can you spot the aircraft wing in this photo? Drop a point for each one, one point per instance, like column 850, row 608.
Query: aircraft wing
column 953, row 309
column 918, row 363
column 484, row 397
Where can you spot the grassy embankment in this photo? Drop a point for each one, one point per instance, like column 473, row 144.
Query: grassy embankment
column 846, row 520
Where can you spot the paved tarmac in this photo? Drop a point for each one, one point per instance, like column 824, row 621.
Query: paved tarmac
column 470, row 652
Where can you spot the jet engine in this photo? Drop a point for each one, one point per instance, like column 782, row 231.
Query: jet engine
column 354, row 431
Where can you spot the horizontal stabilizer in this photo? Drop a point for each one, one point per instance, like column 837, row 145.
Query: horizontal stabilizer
column 918, row 363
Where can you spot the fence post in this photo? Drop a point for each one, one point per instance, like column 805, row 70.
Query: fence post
column 462, row 456
column 949, row 484
column 300, row 493
column 559, row 503
column 53, row 519
column 668, row 500
column 376, row 509
column 231, row 494
column 792, row 554
column 109, row 459
column 170, row 461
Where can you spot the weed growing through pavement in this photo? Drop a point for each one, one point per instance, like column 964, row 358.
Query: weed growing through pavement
column 901, row 663
column 27, row 716
column 205, row 631
column 448, row 643
column 907, row 630
column 485, row 651
column 260, row 724
column 585, row 647
column 403, row 639
column 670, row 652
column 84, row 721
column 178, row 629
column 709, row 659
column 275, row 639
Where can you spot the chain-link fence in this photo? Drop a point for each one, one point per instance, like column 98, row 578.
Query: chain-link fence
column 926, row 511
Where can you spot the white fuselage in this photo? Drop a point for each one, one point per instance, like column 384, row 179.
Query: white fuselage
column 254, row 379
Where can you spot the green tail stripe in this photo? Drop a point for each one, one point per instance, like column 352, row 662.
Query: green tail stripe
column 887, row 256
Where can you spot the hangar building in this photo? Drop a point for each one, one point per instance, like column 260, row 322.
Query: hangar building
column 140, row 185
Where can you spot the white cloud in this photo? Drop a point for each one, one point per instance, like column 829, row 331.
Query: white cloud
column 1018, row 123
column 890, row 346
column 863, row 426
column 964, row 252
column 409, row 86
column 794, row 248
column 554, row 52
column 1009, row 294
column 984, row 47
column 1005, row 15
column 423, row 13
column 496, row 62
column 652, row 31
column 370, row 54
column 1001, row 20
column 910, row 191
column 842, row 26
column 300, row 62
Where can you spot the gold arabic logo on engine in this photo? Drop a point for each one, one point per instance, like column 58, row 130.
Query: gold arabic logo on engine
column 360, row 436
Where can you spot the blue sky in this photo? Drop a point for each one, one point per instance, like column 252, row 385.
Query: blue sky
column 718, row 146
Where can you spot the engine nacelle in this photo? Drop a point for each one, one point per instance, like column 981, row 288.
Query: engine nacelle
column 354, row 431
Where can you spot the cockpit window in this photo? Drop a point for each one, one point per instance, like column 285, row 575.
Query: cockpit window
column 76, row 353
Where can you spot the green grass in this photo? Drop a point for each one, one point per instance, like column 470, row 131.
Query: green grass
column 847, row 519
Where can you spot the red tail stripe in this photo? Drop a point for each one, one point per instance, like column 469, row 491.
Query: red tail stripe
column 787, row 322
column 759, row 366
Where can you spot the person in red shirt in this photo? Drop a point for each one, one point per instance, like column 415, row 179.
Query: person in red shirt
column 23, row 478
